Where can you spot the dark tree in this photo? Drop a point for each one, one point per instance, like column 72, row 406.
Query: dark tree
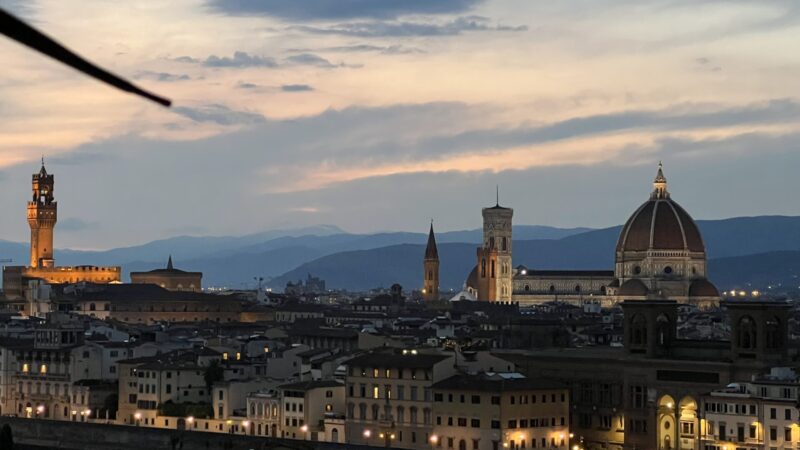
column 214, row 372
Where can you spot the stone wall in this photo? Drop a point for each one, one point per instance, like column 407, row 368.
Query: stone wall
column 39, row 433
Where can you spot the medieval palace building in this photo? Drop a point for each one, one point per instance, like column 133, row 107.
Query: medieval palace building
column 20, row 282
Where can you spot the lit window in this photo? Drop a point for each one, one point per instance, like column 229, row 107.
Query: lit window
column 328, row 407
column 238, row 356
column 43, row 368
column 375, row 392
column 388, row 373
column 225, row 356
column 375, row 373
column 25, row 368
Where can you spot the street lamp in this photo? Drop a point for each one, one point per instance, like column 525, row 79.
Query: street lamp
column 434, row 439
column 367, row 434
column 40, row 410
column 138, row 417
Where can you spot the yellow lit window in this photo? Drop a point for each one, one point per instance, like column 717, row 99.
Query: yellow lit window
column 266, row 349
column 375, row 373
column 43, row 368
column 225, row 356
column 388, row 373
column 328, row 407
column 238, row 356
column 375, row 392
column 25, row 368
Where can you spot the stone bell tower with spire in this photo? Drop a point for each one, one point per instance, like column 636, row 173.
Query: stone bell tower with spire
column 430, row 287
column 42, row 217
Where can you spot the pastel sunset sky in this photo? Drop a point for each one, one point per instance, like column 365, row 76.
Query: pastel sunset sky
column 379, row 115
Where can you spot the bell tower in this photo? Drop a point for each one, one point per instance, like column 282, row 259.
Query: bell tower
column 495, row 273
column 42, row 216
column 430, row 288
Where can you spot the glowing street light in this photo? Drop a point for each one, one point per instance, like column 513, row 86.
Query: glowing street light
column 434, row 439
column 367, row 434
column 304, row 428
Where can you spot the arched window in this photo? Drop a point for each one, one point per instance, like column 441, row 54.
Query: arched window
column 747, row 333
column 483, row 267
column 362, row 411
column 505, row 244
column 577, row 288
column 527, row 287
column 552, row 288
column 638, row 330
column 774, row 340
column 663, row 333
column 375, row 412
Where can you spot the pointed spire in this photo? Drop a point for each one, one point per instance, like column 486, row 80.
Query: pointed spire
column 42, row 171
column 660, row 184
column 497, row 193
column 431, row 252
column 169, row 263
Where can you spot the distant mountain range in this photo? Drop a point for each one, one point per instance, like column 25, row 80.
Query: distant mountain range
column 743, row 252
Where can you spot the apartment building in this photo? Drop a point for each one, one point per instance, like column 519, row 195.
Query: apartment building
column 389, row 397
column 758, row 415
column 500, row 411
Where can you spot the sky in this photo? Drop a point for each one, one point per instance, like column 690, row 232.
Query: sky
column 382, row 115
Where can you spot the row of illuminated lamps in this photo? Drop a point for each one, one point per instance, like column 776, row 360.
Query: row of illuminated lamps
column 26, row 368
column 40, row 410
column 434, row 439
column 735, row 293
column 190, row 420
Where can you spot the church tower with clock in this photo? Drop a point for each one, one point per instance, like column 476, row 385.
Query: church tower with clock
column 495, row 271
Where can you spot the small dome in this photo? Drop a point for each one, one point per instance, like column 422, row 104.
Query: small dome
column 472, row 279
column 660, row 224
column 633, row 287
column 703, row 288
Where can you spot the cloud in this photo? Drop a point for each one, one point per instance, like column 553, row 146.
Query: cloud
column 407, row 29
column 340, row 9
column 239, row 59
column 310, row 59
column 72, row 224
column 161, row 76
column 219, row 114
column 366, row 48
column 245, row 85
column 25, row 9
column 185, row 59
column 296, row 88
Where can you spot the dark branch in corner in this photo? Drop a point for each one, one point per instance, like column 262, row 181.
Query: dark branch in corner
column 25, row 34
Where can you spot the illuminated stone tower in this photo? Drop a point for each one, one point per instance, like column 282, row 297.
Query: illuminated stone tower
column 494, row 257
column 42, row 216
column 430, row 288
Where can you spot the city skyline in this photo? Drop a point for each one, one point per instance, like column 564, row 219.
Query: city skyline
column 380, row 118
